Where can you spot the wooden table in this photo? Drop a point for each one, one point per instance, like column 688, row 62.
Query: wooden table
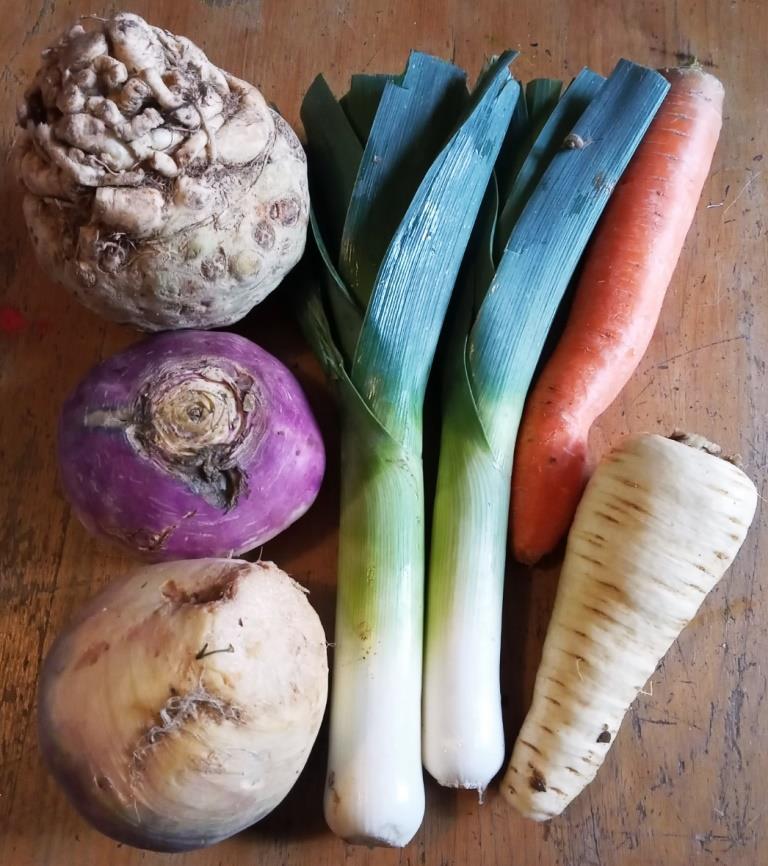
column 687, row 781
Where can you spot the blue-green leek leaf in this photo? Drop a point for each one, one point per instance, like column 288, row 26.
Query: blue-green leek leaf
column 414, row 118
column 361, row 102
column 334, row 152
column 550, row 139
column 417, row 275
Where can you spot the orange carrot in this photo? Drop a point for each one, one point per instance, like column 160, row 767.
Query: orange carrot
column 627, row 269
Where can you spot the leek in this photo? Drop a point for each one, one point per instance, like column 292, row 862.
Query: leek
column 495, row 349
column 550, row 131
column 541, row 96
column 534, row 106
column 391, row 241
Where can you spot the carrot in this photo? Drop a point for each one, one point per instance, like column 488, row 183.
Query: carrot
column 659, row 524
column 627, row 269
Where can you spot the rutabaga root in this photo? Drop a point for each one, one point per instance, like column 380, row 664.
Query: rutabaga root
column 659, row 524
column 161, row 190
column 162, row 745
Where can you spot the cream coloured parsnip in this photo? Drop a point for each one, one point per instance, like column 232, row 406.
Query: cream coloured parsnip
column 660, row 522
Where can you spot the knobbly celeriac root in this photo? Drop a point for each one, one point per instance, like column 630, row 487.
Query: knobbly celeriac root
column 161, row 190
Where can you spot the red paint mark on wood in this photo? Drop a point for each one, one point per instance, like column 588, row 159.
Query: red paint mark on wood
column 12, row 321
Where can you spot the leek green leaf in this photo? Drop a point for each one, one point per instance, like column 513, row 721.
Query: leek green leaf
column 413, row 285
column 541, row 96
column 347, row 316
column 317, row 330
column 334, row 152
column 536, row 102
column 546, row 244
column 361, row 103
column 414, row 118
column 512, row 150
column 550, row 139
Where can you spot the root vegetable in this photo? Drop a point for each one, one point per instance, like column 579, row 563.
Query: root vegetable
column 183, row 702
column 189, row 444
column 617, row 303
column 659, row 524
column 162, row 191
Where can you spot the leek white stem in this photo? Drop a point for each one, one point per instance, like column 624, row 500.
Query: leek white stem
column 463, row 743
column 375, row 788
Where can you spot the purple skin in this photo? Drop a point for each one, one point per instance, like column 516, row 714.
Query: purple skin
column 190, row 444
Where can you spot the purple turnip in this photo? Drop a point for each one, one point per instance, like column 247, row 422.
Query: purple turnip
column 189, row 444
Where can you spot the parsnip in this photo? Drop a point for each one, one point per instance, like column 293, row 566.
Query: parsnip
column 660, row 522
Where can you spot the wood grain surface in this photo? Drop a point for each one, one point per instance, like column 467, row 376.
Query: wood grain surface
column 687, row 781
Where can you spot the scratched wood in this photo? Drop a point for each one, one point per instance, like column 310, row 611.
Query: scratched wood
column 687, row 781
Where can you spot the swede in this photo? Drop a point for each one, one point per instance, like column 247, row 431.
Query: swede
column 182, row 703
